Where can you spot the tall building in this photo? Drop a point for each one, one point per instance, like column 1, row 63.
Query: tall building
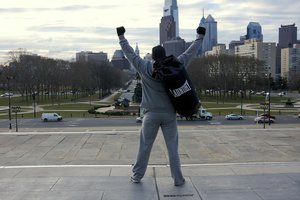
column 211, row 35
column 287, row 38
column 235, row 43
column 137, row 51
column 175, row 46
column 290, row 61
column 169, row 25
column 220, row 49
column 119, row 61
column 171, row 9
column 254, row 30
column 167, row 29
column 89, row 56
column 265, row 51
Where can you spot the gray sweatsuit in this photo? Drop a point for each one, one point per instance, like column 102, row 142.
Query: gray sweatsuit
column 159, row 111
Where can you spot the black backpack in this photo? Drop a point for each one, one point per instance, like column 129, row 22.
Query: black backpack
column 178, row 85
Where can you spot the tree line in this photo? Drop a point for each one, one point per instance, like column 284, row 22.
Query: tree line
column 229, row 76
column 43, row 77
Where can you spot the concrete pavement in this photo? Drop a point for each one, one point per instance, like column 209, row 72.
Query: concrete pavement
column 235, row 163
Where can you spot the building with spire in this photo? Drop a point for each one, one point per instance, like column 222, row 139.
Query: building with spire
column 169, row 25
column 171, row 9
column 137, row 50
column 211, row 35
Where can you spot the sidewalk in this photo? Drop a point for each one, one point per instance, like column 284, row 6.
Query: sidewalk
column 233, row 164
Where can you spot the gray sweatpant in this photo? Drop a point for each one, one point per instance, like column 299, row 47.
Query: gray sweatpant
column 151, row 123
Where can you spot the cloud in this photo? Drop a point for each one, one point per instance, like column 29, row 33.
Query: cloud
column 44, row 9
column 63, row 27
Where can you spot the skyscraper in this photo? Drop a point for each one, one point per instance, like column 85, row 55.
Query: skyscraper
column 171, row 9
column 175, row 46
column 167, row 29
column 290, row 62
column 254, row 31
column 169, row 25
column 287, row 37
column 211, row 36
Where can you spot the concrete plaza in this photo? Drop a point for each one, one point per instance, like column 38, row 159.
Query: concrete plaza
column 234, row 163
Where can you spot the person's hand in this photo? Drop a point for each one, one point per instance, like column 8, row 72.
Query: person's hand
column 120, row 30
column 201, row 30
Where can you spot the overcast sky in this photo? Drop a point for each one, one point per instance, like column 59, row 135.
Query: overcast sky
column 60, row 28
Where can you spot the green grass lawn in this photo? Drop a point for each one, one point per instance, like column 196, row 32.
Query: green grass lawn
column 254, row 99
column 207, row 105
column 67, row 108
column 19, row 101
column 74, row 106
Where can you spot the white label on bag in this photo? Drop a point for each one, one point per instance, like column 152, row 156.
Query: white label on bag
column 180, row 91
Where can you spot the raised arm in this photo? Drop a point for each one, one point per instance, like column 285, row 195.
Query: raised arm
column 138, row 63
column 186, row 57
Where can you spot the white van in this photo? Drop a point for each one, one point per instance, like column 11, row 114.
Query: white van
column 51, row 117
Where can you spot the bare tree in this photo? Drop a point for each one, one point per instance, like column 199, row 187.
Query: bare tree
column 225, row 74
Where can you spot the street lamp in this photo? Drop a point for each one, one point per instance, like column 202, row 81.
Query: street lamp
column 90, row 99
column 269, row 97
column 9, row 102
column 242, row 93
column 34, row 104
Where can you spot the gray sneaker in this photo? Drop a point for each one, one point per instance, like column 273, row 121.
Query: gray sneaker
column 135, row 180
column 181, row 183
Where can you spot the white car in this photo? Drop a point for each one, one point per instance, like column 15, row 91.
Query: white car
column 139, row 120
column 234, row 117
column 51, row 117
column 7, row 94
column 263, row 119
column 281, row 94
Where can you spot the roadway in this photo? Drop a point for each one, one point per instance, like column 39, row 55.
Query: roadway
column 87, row 123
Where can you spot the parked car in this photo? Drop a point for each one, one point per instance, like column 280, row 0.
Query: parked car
column 261, row 93
column 267, row 115
column 263, row 119
column 7, row 94
column 299, row 116
column 234, row 117
column 202, row 114
column 281, row 94
column 51, row 117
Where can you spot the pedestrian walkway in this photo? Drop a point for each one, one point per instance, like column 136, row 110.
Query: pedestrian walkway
column 233, row 164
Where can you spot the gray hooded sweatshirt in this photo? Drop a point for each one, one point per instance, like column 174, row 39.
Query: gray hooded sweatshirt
column 154, row 95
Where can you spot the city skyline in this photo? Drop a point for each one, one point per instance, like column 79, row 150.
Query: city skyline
column 60, row 28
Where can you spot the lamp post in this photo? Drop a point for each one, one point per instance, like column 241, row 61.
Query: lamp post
column 9, row 102
column 242, row 96
column 269, row 97
column 34, row 104
column 90, row 99
column 243, row 80
column 16, row 109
